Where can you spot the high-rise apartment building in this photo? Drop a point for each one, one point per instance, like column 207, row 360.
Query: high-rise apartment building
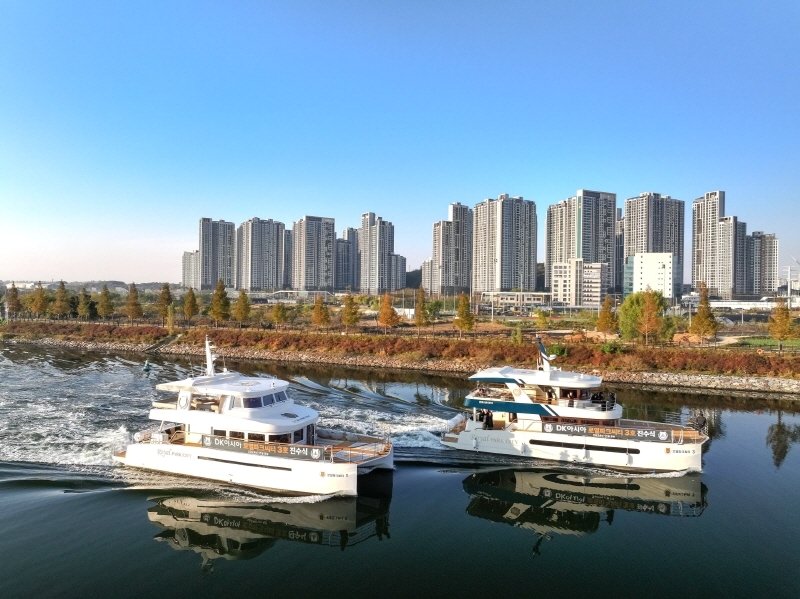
column 313, row 254
column 582, row 226
column 427, row 276
column 452, row 252
column 398, row 272
column 288, row 256
column 503, row 245
column 216, row 253
column 259, row 255
column 375, row 249
column 191, row 270
column 731, row 275
column 347, row 260
column 619, row 251
column 706, row 213
column 763, row 250
column 654, row 224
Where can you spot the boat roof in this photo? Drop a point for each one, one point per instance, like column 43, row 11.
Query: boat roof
column 278, row 418
column 525, row 376
column 227, row 383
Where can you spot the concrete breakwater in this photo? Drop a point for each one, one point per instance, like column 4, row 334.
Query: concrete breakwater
column 787, row 388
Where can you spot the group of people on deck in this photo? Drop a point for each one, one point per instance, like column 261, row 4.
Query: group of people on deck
column 487, row 418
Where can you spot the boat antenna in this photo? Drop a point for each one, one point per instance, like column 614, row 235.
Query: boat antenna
column 543, row 359
column 210, row 357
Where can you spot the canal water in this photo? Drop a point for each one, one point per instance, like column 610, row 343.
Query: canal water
column 445, row 523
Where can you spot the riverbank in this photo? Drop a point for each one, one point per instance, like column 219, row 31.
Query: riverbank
column 786, row 388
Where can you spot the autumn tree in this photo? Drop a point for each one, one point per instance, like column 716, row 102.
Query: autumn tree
column 133, row 308
column 60, row 306
column 171, row 319
column 464, row 320
column 517, row 337
column 435, row 310
column 220, row 308
column 163, row 302
column 241, row 309
column 704, row 325
column 104, row 306
column 387, row 316
column 421, row 316
column 350, row 314
column 38, row 301
column 320, row 315
column 542, row 320
column 279, row 315
column 607, row 320
column 86, row 307
column 190, row 305
column 650, row 318
column 13, row 304
column 640, row 315
column 780, row 322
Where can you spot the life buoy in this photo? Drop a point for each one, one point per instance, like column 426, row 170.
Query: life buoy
column 183, row 402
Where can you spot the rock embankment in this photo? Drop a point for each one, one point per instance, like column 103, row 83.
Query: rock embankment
column 684, row 381
column 704, row 382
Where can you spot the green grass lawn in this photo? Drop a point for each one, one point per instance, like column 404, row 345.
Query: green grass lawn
column 767, row 342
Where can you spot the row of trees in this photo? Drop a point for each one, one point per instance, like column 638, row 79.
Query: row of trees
column 63, row 304
column 643, row 316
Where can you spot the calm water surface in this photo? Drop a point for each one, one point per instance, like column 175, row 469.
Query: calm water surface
column 446, row 523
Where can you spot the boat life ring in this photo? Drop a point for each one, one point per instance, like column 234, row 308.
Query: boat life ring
column 183, row 402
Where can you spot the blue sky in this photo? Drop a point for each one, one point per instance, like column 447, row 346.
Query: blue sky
column 123, row 123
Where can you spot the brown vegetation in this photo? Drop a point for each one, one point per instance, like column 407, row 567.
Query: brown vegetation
column 583, row 355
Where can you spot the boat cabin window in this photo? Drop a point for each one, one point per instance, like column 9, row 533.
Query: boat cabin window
column 297, row 436
column 219, row 433
column 251, row 402
column 236, row 435
column 268, row 400
column 279, row 438
column 281, row 396
column 255, row 437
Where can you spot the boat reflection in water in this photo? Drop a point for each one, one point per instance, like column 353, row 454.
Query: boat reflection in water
column 220, row 528
column 551, row 502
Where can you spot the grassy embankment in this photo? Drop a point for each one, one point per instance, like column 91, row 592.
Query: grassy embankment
column 477, row 352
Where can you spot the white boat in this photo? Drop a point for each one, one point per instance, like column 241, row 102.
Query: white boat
column 247, row 431
column 552, row 414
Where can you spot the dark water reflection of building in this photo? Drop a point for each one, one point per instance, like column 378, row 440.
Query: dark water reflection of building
column 219, row 528
column 552, row 502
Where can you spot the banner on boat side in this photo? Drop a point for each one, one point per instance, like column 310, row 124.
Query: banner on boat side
column 297, row 452
column 609, row 432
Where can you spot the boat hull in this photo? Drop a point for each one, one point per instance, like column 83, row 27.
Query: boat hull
column 622, row 454
column 264, row 473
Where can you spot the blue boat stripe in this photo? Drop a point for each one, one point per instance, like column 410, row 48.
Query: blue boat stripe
column 508, row 406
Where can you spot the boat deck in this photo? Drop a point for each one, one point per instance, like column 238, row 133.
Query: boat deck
column 356, row 451
column 620, row 429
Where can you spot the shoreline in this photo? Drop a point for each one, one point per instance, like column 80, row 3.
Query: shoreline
column 776, row 387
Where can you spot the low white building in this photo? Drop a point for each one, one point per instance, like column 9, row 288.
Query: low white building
column 651, row 271
column 579, row 283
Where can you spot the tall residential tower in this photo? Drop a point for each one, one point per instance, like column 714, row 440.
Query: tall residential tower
column 583, row 226
column 504, row 245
